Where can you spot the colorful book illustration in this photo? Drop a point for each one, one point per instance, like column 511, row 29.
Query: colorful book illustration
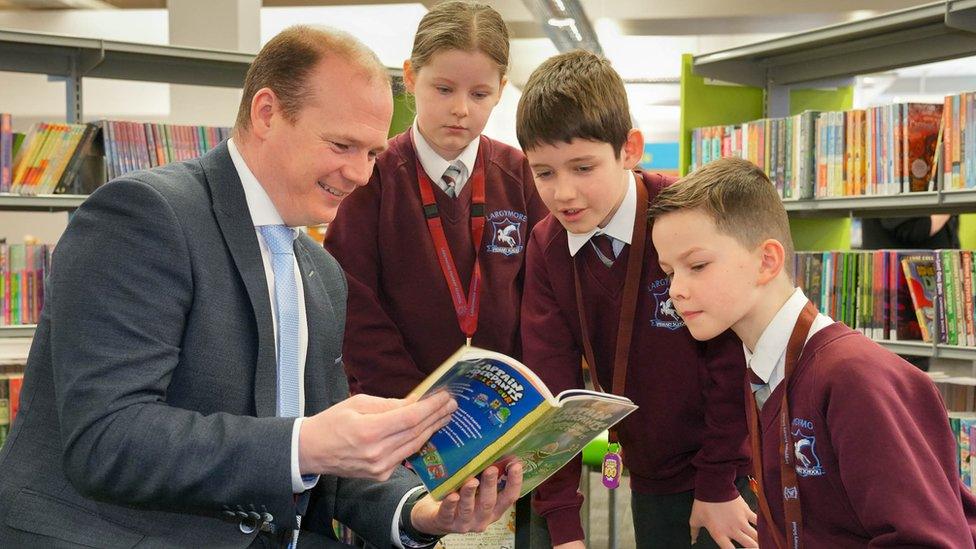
column 505, row 412
column 920, row 275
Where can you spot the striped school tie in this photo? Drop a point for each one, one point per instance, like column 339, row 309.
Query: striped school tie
column 759, row 388
column 281, row 242
column 605, row 249
column 450, row 178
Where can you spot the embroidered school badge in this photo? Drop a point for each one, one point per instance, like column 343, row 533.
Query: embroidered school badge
column 665, row 316
column 805, row 449
column 507, row 228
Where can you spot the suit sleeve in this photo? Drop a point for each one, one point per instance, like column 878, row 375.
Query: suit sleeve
column 549, row 349
column 897, row 458
column 724, row 450
column 377, row 361
column 121, row 286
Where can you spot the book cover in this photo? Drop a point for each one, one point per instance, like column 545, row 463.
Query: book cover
column 921, row 138
column 920, row 276
column 505, row 412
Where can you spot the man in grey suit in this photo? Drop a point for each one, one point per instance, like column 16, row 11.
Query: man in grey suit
column 185, row 386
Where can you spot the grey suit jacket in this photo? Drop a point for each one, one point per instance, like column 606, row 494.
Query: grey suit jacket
column 148, row 406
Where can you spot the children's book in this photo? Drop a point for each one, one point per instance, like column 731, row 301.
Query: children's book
column 920, row 275
column 505, row 412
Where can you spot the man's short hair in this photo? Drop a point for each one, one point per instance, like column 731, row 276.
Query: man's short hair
column 739, row 198
column 284, row 64
column 573, row 95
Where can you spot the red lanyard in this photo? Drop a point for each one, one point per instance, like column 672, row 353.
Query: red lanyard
column 466, row 309
column 790, row 489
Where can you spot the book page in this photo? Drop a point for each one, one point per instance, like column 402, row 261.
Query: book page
column 500, row 535
column 562, row 434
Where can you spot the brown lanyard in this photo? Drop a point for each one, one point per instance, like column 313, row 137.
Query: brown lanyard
column 628, row 304
column 790, row 490
column 466, row 309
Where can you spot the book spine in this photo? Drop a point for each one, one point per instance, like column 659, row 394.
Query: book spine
column 942, row 320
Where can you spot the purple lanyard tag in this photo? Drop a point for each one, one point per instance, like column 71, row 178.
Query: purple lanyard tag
column 612, row 467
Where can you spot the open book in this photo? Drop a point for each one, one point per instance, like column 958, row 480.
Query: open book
column 506, row 412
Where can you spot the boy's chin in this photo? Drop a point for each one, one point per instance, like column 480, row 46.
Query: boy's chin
column 704, row 333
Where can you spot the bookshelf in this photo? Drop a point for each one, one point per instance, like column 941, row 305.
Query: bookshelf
column 26, row 330
column 41, row 203
column 814, row 70
column 75, row 58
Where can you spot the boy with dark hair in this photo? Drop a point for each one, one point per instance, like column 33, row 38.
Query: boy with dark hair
column 593, row 288
column 854, row 442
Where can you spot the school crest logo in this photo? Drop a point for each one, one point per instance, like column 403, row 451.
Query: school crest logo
column 507, row 232
column 805, row 449
column 665, row 315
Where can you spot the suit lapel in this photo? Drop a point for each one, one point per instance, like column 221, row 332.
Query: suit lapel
column 234, row 219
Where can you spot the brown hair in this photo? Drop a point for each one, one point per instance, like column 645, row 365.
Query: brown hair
column 284, row 64
column 573, row 95
column 738, row 197
column 461, row 26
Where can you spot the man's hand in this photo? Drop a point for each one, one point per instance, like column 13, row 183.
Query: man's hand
column 726, row 522
column 470, row 509
column 578, row 544
column 368, row 437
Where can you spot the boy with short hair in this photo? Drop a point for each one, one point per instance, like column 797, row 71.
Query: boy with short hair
column 869, row 458
column 593, row 286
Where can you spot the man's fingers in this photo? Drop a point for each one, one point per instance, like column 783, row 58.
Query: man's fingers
column 488, row 492
column 694, row 534
column 410, row 416
column 745, row 540
column 392, row 450
column 465, row 511
column 753, row 518
column 513, row 486
column 448, row 508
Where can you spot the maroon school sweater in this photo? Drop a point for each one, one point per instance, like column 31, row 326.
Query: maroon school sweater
column 400, row 321
column 876, row 460
column 673, row 442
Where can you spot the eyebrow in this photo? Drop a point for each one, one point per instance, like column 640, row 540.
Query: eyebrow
column 690, row 251
column 353, row 141
column 588, row 157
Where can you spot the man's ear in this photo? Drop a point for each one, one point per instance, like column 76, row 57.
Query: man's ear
column 633, row 149
column 409, row 77
column 264, row 105
column 772, row 260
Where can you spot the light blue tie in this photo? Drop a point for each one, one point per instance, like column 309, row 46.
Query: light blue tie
column 280, row 240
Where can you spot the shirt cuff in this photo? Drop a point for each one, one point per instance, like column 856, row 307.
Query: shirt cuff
column 299, row 482
column 395, row 528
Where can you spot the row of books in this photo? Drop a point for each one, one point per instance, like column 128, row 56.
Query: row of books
column 894, row 295
column 57, row 158
column 941, row 286
column 882, row 150
column 959, row 158
column 10, row 385
column 963, row 425
column 50, row 158
column 22, row 269
column 137, row 146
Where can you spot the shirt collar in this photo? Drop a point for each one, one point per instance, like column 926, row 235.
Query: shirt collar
column 434, row 164
column 620, row 226
column 771, row 346
column 263, row 211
